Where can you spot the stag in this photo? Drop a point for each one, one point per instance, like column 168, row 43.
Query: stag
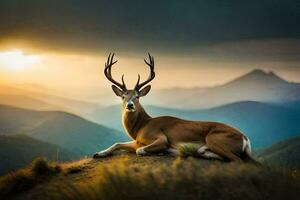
column 152, row 135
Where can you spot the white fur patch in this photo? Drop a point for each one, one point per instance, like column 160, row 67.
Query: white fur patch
column 211, row 155
column 246, row 145
column 141, row 151
column 102, row 153
column 202, row 149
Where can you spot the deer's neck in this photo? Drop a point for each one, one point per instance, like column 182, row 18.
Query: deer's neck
column 134, row 121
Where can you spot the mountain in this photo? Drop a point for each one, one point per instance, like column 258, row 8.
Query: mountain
column 19, row 150
column 291, row 104
column 26, row 102
column 60, row 128
column 256, row 85
column 264, row 123
column 285, row 153
column 173, row 97
column 40, row 98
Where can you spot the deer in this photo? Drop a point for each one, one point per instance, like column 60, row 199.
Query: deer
column 167, row 134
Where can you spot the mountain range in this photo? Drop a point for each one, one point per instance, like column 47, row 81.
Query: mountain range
column 19, row 150
column 264, row 123
column 40, row 98
column 257, row 85
column 65, row 130
column 285, row 153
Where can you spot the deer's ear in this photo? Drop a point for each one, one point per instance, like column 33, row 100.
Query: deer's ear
column 117, row 91
column 145, row 91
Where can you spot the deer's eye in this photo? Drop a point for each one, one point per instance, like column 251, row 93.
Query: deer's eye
column 123, row 97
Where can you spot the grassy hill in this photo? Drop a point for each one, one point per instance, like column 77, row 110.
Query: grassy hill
column 151, row 177
column 264, row 123
column 60, row 128
column 19, row 150
column 285, row 153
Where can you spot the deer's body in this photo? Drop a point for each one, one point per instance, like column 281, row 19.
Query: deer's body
column 175, row 133
column 210, row 140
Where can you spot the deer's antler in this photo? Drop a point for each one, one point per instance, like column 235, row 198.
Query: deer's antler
column 107, row 71
column 139, row 85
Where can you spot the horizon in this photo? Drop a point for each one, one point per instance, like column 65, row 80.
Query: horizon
column 44, row 89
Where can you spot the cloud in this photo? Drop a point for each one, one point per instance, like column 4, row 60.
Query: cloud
column 135, row 25
column 195, row 43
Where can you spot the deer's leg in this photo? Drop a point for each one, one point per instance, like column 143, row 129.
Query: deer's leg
column 173, row 151
column 159, row 145
column 131, row 146
column 225, row 144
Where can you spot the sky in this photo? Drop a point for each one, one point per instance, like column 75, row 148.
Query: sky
column 63, row 44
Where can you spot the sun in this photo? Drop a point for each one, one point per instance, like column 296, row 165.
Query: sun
column 17, row 59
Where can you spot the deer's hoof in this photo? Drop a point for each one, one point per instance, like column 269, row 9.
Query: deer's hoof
column 141, row 152
column 100, row 154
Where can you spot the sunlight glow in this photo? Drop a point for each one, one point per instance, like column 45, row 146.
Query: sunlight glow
column 17, row 59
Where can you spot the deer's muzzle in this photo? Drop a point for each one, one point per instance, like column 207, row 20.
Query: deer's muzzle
column 130, row 107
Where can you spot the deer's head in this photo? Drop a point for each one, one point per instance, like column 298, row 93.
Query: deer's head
column 130, row 98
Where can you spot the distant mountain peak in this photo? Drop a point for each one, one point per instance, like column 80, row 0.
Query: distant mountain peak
column 259, row 76
column 260, row 72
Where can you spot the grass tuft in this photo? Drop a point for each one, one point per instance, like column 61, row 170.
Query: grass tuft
column 41, row 167
column 187, row 150
column 24, row 179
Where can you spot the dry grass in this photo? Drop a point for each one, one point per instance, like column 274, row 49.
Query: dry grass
column 24, row 179
column 126, row 178
column 75, row 166
column 188, row 150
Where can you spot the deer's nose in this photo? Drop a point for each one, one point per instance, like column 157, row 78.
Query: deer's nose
column 130, row 105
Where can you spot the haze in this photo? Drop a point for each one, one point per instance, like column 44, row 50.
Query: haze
column 194, row 46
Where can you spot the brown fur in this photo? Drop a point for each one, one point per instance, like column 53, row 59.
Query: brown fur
column 220, row 138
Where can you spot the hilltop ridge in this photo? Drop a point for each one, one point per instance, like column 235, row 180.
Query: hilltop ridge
column 162, row 177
